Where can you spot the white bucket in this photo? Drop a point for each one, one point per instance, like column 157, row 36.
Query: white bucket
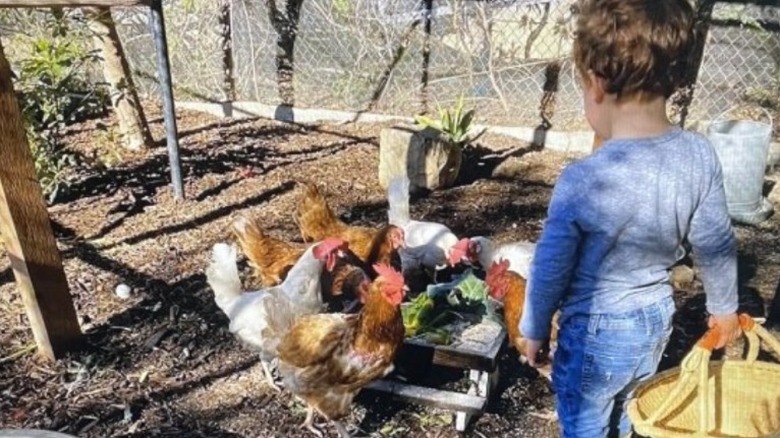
column 742, row 147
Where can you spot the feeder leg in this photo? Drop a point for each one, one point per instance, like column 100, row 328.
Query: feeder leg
column 484, row 383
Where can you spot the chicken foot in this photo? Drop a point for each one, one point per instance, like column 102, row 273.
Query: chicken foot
column 544, row 370
column 308, row 423
column 547, row 415
column 269, row 376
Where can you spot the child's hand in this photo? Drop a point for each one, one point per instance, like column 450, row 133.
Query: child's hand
column 729, row 328
column 534, row 352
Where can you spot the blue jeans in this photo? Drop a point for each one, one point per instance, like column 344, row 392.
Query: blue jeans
column 599, row 360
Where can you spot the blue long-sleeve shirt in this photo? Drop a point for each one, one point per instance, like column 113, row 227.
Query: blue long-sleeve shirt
column 615, row 222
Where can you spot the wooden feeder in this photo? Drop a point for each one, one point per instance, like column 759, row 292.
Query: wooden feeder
column 476, row 351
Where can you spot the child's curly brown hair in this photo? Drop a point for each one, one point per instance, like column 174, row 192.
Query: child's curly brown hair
column 638, row 47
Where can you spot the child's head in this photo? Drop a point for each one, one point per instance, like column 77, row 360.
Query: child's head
column 638, row 48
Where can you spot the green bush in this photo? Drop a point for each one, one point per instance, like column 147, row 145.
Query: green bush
column 53, row 91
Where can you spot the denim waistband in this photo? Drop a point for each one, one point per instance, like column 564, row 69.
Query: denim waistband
column 650, row 318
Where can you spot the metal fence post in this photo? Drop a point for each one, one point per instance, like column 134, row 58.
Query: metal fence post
column 166, row 89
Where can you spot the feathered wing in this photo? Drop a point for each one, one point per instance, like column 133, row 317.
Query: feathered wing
column 280, row 317
column 428, row 244
column 520, row 256
column 249, row 319
column 317, row 355
column 302, row 285
column 315, row 338
column 398, row 200
column 513, row 307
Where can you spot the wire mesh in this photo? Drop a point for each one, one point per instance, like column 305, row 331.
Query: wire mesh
column 510, row 59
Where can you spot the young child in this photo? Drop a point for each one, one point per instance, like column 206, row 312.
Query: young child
column 618, row 217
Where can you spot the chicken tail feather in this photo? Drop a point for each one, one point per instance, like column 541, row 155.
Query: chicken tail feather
column 256, row 244
column 222, row 273
column 314, row 216
column 398, row 198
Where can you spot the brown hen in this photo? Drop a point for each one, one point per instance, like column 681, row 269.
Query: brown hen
column 317, row 221
column 270, row 258
column 509, row 287
column 326, row 359
column 351, row 276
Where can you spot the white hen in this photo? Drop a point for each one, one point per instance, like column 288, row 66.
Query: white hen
column 261, row 318
column 485, row 251
column 427, row 243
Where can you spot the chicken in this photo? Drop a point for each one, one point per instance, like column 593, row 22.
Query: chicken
column 351, row 276
column 508, row 287
column 260, row 318
column 386, row 247
column 269, row 258
column 484, row 251
column 428, row 244
column 326, row 359
column 317, row 221
column 346, row 286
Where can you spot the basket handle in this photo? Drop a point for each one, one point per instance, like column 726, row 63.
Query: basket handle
column 696, row 364
column 754, row 333
column 766, row 112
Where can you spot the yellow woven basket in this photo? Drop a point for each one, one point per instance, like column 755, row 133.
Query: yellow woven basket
column 718, row 399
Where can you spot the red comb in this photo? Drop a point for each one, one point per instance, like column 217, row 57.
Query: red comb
column 327, row 246
column 389, row 274
column 463, row 244
column 494, row 279
column 498, row 268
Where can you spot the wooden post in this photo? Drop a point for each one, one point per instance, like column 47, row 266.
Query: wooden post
column 71, row 3
column 26, row 230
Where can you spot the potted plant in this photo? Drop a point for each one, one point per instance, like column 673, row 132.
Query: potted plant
column 445, row 139
column 430, row 152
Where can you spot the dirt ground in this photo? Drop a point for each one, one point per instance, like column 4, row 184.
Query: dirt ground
column 162, row 363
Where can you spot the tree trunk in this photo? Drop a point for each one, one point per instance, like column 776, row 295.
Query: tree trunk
column 285, row 22
column 537, row 31
column 124, row 98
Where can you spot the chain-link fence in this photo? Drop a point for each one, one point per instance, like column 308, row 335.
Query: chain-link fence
column 508, row 58
column 741, row 64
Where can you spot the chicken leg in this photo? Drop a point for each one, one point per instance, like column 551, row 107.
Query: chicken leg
column 545, row 371
column 308, row 423
column 343, row 433
column 269, row 376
